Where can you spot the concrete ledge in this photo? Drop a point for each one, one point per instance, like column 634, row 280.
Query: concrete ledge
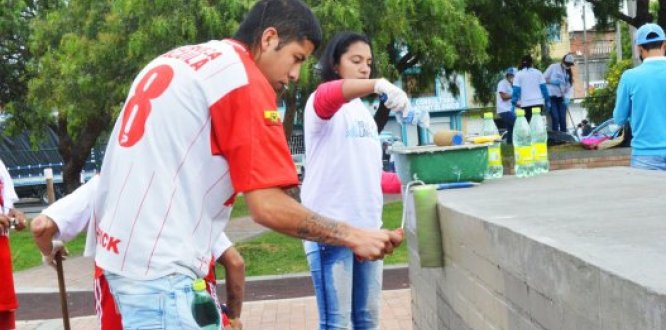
column 572, row 249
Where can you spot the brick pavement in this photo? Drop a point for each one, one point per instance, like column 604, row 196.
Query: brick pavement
column 283, row 314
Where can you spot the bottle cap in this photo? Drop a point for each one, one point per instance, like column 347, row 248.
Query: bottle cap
column 520, row 112
column 536, row 110
column 199, row 285
column 488, row 115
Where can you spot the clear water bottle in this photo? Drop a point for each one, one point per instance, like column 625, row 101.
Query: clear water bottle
column 495, row 168
column 204, row 309
column 522, row 146
column 539, row 142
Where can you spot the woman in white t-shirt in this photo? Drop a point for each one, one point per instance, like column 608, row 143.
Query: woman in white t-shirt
column 529, row 88
column 344, row 156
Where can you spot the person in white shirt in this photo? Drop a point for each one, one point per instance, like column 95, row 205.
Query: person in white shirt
column 503, row 102
column 69, row 216
column 529, row 88
column 9, row 217
column 559, row 80
column 199, row 126
column 343, row 150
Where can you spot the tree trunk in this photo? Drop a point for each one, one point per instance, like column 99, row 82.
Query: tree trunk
column 75, row 152
column 643, row 12
column 661, row 19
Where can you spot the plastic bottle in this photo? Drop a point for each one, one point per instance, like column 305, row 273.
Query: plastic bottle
column 522, row 146
column 495, row 168
column 204, row 309
column 539, row 136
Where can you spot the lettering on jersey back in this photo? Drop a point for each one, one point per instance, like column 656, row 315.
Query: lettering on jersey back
column 195, row 56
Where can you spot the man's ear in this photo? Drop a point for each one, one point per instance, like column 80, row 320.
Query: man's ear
column 269, row 39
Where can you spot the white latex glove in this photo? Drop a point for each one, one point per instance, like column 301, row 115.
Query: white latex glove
column 58, row 246
column 396, row 99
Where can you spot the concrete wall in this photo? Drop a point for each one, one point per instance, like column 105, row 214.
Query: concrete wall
column 573, row 249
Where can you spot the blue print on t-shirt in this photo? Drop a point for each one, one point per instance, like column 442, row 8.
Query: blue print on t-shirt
column 362, row 129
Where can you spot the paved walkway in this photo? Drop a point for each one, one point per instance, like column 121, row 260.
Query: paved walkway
column 40, row 283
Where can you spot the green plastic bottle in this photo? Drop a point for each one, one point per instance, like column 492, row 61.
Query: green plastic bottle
column 204, row 309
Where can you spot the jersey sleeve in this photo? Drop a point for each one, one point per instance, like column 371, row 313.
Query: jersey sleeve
column 221, row 244
column 73, row 212
column 247, row 131
column 9, row 195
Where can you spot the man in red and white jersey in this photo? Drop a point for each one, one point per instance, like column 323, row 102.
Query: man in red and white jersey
column 9, row 218
column 69, row 216
column 199, row 125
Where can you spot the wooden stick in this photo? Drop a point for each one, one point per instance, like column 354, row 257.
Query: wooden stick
column 63, row 291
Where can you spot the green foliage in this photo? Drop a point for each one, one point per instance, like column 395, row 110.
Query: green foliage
column 25, row 253
column 273, row 253
column 514, row 28
column 608, row 11
column 601, row 102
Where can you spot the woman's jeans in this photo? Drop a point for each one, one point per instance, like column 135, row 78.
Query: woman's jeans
column 509, row 118
column 657, row 163
column 558, row 113
column 163, row 303
column 348, row 291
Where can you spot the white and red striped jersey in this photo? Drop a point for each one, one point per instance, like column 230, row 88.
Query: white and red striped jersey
column 199, row 125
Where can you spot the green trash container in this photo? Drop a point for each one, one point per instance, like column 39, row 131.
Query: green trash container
column 433, row 164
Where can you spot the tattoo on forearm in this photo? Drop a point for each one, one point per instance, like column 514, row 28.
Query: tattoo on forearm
column 294, row 193
column 323, row 230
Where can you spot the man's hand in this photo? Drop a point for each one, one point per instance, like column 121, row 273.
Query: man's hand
column 58, row 247
column 19, row 219
column 235, row 324
column 375, row 244
column 396, row 99
column 4, row 222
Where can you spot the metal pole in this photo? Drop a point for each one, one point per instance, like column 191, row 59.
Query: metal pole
column 618, row 40
column 585, row 48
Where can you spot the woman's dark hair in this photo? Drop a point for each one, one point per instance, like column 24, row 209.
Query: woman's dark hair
column 526, row 62
column 293, row 20
column 568, row 70
column 339, row 45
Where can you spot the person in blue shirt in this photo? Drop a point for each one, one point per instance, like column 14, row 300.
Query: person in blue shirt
column 641, row 100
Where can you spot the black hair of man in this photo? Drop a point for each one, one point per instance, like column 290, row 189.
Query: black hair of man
column 293, row 20
column 652, row 45
column 334, row 50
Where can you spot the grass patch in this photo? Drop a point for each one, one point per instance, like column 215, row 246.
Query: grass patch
column 26, row 255
column 240, row 208
column 275, row 254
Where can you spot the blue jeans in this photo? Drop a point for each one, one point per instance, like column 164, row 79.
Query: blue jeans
column 558, row 114
column 509, row 119
column 657, row 163
column 163, row 303
column 348, row 291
